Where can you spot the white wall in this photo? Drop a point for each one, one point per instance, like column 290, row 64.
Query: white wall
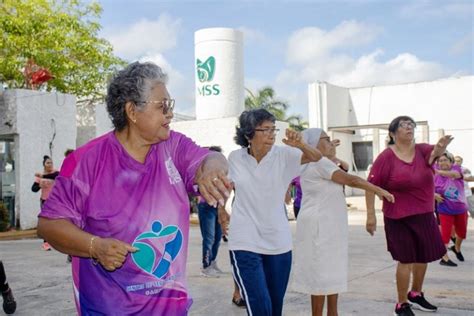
column 103, row 124
column 446, row 104
column 35, row 117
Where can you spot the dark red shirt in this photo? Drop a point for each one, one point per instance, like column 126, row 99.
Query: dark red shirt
column 412, row 184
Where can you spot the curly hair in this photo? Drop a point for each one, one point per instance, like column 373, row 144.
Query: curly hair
column 131, row 84
column 248, row 121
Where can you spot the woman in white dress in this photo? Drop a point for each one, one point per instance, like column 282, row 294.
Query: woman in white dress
column 321, row 247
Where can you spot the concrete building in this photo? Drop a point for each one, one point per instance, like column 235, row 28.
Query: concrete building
column 32, row 124
column 360, row 116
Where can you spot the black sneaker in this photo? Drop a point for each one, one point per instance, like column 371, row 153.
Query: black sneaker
column 9, row 304
column 419, row 302
column 448, row 263
column 458, row 254
column 403, row 310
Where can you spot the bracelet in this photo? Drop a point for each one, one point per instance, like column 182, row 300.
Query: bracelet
column 94, row 261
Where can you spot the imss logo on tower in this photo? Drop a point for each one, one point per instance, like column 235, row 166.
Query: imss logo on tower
column 205, row 73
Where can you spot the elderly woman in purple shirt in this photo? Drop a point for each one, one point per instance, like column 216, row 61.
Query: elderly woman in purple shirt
column 120, row 205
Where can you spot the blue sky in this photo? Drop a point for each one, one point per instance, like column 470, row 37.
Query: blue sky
column 289, row 44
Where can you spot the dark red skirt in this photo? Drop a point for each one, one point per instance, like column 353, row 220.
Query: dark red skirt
column 414, row 239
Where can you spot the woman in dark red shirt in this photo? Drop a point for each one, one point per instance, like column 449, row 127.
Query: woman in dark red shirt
column 413, row 238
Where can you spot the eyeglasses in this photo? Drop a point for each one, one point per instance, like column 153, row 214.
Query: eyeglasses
column 268, row 131
column 167, row 105
column 407, row 124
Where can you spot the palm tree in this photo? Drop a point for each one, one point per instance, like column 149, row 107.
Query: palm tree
column 265, row 98
column 296, row 122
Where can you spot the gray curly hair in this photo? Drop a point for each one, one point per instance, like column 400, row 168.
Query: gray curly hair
column 131, row 84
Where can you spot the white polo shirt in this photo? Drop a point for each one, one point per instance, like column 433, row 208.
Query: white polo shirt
column 258, row 222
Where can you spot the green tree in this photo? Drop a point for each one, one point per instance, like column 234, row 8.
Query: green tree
column 265, row 98
column 297, row 123
column 61, row 36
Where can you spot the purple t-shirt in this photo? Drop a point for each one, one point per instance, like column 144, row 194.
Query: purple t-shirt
column 412, row 184
column 452, row 191
column 298, row 192
column 109, row 194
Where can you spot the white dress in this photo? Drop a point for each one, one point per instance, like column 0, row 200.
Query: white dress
column 321, row 245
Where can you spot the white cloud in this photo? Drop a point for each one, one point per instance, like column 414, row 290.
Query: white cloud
column 145, row 37
column 315, row 54
column 318, row 55
column 309, row 43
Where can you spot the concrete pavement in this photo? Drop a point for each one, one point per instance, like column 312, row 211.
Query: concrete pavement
column 42, row 282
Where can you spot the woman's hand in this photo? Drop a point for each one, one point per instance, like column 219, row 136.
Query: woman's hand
column 383, row 194
column 438, row 198
column 211, row 178
column 111, row 253
column 293, row 138
column 440, row 147
column 371, row 223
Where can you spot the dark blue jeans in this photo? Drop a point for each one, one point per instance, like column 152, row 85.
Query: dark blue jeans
column 262, row 280
column 211, row 233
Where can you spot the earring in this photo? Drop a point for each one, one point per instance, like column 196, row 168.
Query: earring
column 134, row 120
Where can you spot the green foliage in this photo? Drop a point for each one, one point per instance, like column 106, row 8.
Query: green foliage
column 4, row 218
column 60, row 35
column 265, row 98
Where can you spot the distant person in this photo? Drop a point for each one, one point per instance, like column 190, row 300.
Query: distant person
column 44, row 181
column 211, row 234
column 467, row 177
column 9, row 303
column 297, row 195
column 413, row 237
column 452, row 206
column 259, row 235
column 321, row 246
column 120, row 206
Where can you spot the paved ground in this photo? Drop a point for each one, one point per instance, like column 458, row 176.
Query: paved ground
column 42, row 282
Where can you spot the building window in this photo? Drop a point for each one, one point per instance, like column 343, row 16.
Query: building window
column 363, row 155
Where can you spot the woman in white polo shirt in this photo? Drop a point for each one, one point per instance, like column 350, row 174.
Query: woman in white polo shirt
column 259, row 236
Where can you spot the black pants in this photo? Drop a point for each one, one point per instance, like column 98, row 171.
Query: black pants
column 3, row 278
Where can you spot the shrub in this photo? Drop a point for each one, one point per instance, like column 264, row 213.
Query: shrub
column 4, row 218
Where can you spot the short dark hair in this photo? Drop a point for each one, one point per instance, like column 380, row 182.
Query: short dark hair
column 131, row 84
column 392, row 128
column 215, row 148
column 46, row 157
column 248, row 122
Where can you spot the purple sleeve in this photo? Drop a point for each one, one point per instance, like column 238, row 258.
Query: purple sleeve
column 70, row 192
column 65, row 202
column 380, row 170
column 187, row 157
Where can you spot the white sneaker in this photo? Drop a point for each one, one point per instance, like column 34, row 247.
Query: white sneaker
column 209, row 272
column 216, row 268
